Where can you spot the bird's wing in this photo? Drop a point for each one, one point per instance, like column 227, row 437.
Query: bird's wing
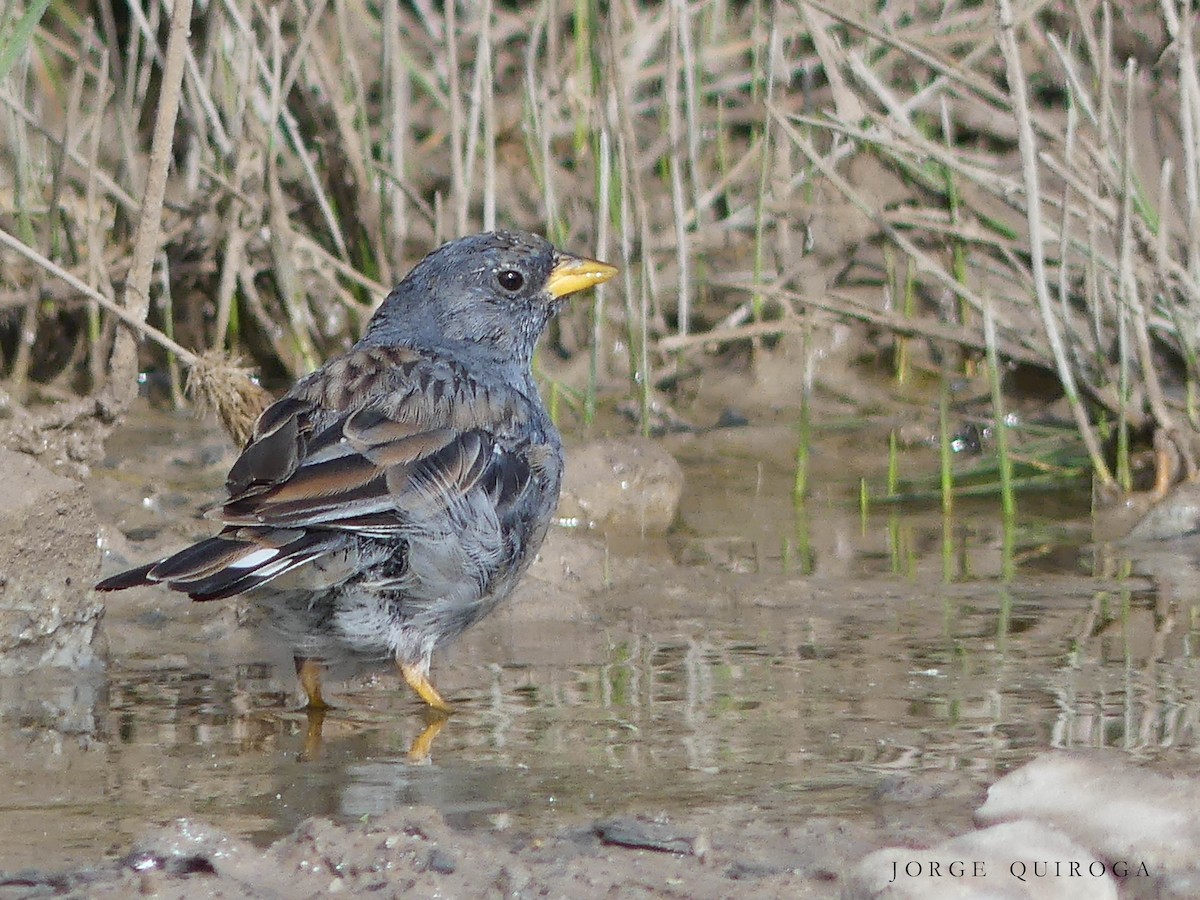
column 372, row 443
column 378, row 438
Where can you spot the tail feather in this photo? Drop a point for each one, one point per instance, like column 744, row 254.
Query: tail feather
column 127, row 579
column 231, row 563
column 218, row 586
column 208, row 557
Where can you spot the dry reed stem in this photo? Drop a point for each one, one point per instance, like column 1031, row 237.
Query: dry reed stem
column 121, row 311
column 1122, row 253
column 123, row 363
column 660, row 142
column 223, row 385
column 1029, row 169
column 683, row 304
column 458, row 177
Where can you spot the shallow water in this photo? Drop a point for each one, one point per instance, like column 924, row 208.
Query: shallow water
column 794, row 660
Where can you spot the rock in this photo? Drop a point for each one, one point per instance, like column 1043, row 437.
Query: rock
column 1121, row 812
column 184, row 847
column 627, row 483
column 441, row 862
column 642, row 834
column 48, row 563
column 1143, row 517
column 1020, row 860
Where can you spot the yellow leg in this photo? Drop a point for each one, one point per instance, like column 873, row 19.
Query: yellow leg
column 1167, row 462
column 309, row 672
column 313, row 734
column 423, row 745
column 1163, row 472
column 419, row 682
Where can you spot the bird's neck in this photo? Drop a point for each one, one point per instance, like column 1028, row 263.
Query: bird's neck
column 484, row 360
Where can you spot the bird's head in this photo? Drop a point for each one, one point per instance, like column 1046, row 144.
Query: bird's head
column 496, row 290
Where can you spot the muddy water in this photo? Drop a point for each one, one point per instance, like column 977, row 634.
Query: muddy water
column 794, row 660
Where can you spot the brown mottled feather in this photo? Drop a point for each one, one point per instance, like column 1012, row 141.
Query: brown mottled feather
column 418, row 472
column 405, row 434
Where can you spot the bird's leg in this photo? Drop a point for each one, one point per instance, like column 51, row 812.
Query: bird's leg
column 314, row 733
column 309, row 671
column 1166, row 464
column 417, row 677
column 435, row 721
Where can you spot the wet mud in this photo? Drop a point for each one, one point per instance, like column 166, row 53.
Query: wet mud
column 762, row 699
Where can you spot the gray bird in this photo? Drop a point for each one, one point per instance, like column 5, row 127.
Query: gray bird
column 411, row 480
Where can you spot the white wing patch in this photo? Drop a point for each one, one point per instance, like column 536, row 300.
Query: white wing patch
column 255, row 559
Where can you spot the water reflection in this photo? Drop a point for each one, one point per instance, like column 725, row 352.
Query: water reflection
column 730, row 679
column 788, row 693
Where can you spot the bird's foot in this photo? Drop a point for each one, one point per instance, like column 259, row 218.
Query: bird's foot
column 418, row 679
column 435, row 721
column 309, row 672
column 314, row 734
column 436, row 716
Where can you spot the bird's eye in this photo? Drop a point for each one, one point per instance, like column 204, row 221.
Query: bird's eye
column 510, row 279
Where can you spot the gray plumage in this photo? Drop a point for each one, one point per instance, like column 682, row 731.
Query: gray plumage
column 412, row 478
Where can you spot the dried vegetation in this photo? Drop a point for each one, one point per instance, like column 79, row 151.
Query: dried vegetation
column 754, row 168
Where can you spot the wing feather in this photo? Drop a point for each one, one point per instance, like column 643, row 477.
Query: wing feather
column 399, row 446
column 412, row 439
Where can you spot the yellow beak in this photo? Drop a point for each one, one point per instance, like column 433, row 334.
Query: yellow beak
column 575, row 273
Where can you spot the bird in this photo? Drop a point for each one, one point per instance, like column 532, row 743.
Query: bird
column 394, row 496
